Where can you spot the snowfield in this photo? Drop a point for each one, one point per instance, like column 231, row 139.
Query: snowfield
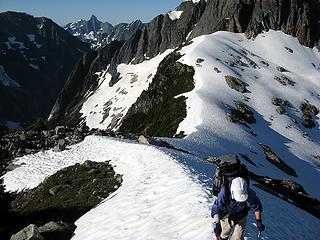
column 211, row 133
column 165, row 194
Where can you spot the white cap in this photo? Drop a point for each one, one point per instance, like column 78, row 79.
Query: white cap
column 238, row 189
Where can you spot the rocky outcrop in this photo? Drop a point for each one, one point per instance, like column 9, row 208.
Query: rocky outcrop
column 274, row 159
column 298, row 18
column 30, row 232
column 290, row 191
column 236, row 84
column 242, row 113
column 309, row 112
column 36, row 57
column 57, row 230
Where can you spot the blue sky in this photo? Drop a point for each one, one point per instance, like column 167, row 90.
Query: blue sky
column 113, row 11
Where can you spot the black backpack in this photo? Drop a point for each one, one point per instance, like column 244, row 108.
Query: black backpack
column 228, row 168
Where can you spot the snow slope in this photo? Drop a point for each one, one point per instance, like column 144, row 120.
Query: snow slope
column 211, row 133
column 106, row 106
column 164, row 195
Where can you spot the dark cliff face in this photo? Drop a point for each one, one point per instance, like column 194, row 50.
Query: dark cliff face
column 38, row 56
column 299, row 18
column 163, row 33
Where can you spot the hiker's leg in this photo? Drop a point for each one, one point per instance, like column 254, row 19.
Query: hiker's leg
column 225, row 228
column 238, row 231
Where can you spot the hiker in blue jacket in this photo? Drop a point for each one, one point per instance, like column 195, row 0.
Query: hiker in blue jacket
column 231, row 207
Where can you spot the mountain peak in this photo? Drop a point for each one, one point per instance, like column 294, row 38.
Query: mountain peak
column 93, row 17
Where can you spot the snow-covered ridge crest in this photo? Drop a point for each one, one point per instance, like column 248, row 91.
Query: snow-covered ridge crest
column 156, row 192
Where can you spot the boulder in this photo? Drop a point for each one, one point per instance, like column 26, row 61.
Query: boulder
column 281, row 110
column 57, row 230
column 284, row 80
column 200, row 60
column 236, row 84
column 241, row 114
column 60, row 130
column 280, row 102
column 307, row 120
column 281, row 69
column 56, row 189
column 28, row 233
column 143, row 140
column 217, row 70
column 60, row 146
column 307, row 106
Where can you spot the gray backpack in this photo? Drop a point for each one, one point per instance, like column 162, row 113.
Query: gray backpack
column 228, row 168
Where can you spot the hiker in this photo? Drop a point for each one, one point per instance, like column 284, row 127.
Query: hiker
column 231, row 207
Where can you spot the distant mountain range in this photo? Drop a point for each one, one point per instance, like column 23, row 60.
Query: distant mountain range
column 99, row 34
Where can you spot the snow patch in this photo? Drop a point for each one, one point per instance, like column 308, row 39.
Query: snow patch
column 174, row 15
column 12, row 41
column 6, row 80
column 34, row 66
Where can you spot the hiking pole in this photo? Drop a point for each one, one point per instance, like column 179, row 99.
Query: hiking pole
column 260, row 235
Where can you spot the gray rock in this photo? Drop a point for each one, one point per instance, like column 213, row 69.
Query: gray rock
column 143, row 140
column 200, row 60
column 236, row 84
column 277, row 161
column 60, row 146
column 48, row 133
column 241, row 114
column 307, row 106
column 60, row 130
column 280, row 102
column 281, row 110
column 57, row 230
column 55, row 190
column 284, row 80
column 289, row 50
column 281, row 69
column 28, row 233
column 217, row 70
column 307, row 120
